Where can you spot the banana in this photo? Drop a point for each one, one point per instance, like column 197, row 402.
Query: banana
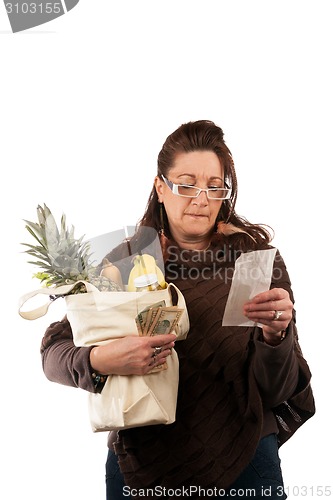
column 142, row 265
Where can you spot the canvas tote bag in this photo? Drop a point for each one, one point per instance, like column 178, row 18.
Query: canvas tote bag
column 100, row 317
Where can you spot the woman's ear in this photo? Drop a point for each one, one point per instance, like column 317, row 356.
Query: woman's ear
column 159, row 187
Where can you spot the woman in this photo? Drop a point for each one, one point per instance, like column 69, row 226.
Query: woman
column 243, row 391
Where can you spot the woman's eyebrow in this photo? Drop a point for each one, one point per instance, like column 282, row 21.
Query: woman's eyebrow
column 187, row 175
column 214, row 177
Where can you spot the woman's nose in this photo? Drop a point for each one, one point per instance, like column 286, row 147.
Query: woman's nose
column 202, row 199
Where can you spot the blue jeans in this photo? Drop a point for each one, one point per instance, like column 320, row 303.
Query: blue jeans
column 114, row 479
column 261, row 479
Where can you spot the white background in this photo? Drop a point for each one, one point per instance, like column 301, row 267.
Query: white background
column 86, row 102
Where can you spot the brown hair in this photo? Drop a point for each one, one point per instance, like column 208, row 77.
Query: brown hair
column 204, row 135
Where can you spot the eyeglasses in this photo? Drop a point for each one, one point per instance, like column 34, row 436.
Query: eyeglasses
column 193, row 192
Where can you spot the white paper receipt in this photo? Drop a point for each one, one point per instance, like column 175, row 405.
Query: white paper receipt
column 252, row 275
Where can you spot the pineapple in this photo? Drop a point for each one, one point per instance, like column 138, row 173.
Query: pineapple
column 62, row 258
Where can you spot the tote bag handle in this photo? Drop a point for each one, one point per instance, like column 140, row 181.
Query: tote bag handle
column 42, row 310
column 65, row 290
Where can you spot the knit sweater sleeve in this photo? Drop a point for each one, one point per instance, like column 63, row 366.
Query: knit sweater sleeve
column 276, row 369
column 62, row 361
column 280, row 371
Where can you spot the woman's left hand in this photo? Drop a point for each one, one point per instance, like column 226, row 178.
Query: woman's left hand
column 273, row 309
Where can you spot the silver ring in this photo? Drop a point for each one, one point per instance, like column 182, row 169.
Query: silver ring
column 277, row 315
column 157, row 351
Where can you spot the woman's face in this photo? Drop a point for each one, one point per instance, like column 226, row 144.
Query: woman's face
column 192, row 220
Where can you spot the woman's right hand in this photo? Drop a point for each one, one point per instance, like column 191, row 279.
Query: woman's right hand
column 131, row 355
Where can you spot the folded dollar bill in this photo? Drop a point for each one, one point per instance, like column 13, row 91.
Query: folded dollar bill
column 143, row 319
column 158, row 319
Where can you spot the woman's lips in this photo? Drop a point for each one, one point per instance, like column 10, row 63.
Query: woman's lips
column 197, row 216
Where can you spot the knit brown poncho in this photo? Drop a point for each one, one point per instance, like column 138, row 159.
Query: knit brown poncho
column 229, row 381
